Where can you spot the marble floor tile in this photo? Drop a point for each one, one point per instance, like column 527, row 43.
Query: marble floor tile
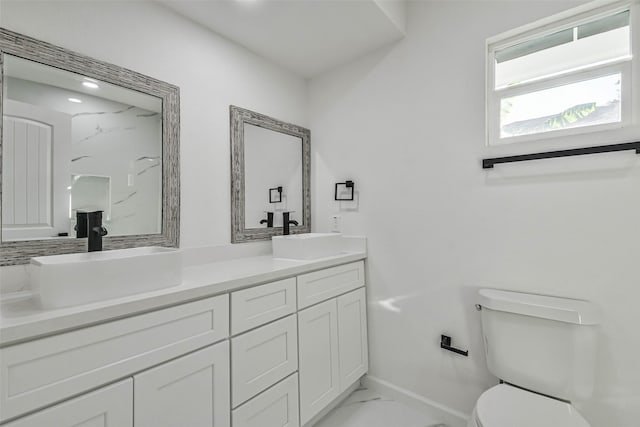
column 366, row 408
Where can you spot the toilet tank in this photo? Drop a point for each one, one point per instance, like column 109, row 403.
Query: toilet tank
column 541, row 343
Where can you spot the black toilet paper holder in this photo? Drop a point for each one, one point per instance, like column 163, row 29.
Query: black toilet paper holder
column 445, row 343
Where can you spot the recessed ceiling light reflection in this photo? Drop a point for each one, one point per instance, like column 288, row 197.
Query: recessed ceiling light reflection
column 76, row 100
column 90, row 85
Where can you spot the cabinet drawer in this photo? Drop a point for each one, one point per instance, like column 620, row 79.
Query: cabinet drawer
column 48, row 370
column 259, row 305
column 324, row 284
column 110, row 406
column 263, row 357
column 276, row 407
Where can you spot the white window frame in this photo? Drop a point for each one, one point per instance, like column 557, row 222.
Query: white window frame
column 626, row 130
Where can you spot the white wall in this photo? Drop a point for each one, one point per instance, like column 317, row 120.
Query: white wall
column 407, row 124
column 212, row 73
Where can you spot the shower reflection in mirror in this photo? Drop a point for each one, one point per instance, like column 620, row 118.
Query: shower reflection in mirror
column 72, row 143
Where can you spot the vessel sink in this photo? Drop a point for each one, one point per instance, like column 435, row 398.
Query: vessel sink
column 307, row 246
column 74, row 279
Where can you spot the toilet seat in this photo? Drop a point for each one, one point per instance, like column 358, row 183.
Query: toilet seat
column 509, row 406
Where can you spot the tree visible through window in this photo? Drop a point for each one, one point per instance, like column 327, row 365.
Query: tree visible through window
column 553, row 81
column 586, row 103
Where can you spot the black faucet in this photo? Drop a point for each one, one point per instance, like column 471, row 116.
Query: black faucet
column 81, row 224
column 269, row 220
column 285, row 223
column 95, row 231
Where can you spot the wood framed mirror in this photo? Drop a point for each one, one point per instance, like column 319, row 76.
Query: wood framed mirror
column 79, row 134
column 270, row 176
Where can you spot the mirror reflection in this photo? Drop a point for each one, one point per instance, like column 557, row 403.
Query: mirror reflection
column 73, row 144
column 273, row 177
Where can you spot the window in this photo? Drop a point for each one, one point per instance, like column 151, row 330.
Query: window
column 567, row 75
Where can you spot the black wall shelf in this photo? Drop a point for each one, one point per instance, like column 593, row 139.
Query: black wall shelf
column 489, row 163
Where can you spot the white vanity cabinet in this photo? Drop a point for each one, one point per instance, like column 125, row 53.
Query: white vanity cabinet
column 271, row 355
column 110, row 406
column 43, row 372
column 332, row 337
column 192, row 390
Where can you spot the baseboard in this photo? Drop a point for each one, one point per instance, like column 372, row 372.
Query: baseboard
column 334, row 403
column 451, row 417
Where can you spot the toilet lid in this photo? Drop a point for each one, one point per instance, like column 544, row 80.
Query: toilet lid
column 508, row 406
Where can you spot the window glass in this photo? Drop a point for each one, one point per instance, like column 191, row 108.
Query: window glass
column 587, row 103
column 598, row 42
column 566, row 80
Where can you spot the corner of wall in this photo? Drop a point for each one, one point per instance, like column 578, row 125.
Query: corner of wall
column 396, row 12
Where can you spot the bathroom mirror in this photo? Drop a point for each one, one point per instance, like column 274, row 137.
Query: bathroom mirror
column 270, row 175
column 80, row 135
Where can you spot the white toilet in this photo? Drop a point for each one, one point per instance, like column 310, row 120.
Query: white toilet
column 543, row 350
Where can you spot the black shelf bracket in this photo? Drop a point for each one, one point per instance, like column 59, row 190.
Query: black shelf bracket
column 445, row 343
column 489, row 163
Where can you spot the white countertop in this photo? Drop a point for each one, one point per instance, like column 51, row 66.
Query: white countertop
column 23, row 319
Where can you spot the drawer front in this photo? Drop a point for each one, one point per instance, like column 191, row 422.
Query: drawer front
column 324, row 284
column 262, row 304
column 48, row 370
column 276, row 407
column 110, row 406
column 263, row 357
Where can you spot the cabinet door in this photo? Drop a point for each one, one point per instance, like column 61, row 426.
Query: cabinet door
column 352, row 337
column 190, row 391
column 318, row 359
column 111, row 406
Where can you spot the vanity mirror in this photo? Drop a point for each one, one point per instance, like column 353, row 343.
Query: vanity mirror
column 270, row 176
column 81, row 135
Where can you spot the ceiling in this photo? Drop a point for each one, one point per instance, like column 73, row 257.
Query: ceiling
column 307, row 37
column 31, row 71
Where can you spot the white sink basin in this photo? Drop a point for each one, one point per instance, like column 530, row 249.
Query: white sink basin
column 74, row 279
column 307, row 246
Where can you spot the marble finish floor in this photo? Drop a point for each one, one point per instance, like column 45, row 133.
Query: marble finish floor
column 366, row 408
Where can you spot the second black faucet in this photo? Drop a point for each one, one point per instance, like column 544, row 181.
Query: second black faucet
column 286, row 222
